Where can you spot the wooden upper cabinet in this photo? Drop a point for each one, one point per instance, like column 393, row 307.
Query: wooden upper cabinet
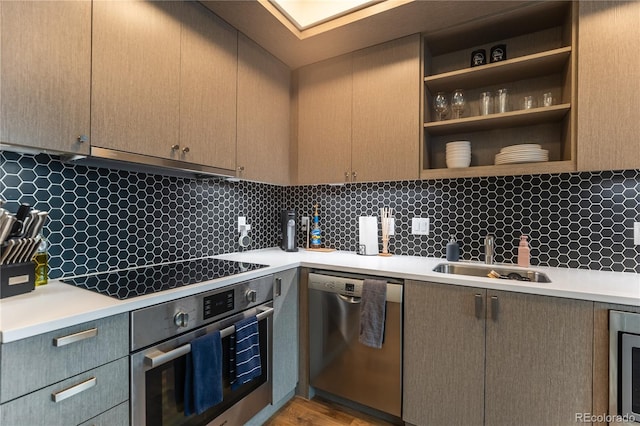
column 264, row 107
column 208, row 88
column 359, row 115
column 324, row 121
column 135, row 103
column 386, row 111
column 608, row 85
column 45, row 74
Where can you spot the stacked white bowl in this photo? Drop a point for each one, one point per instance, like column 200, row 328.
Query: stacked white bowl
column 458, row 154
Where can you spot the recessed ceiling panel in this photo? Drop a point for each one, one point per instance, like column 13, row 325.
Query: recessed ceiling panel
column 305, row 14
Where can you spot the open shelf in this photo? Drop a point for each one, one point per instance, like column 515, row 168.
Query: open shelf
column 542, row 59
column 501, row 170
column 544, row 63
column 525, row 117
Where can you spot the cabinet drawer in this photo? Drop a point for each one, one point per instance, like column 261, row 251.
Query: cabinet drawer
column 35, row 362
column 117, row 416
column 78, row 398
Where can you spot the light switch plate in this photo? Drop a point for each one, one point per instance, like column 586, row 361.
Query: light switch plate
column 242, row 221
column 636, row 233
column 420, row 226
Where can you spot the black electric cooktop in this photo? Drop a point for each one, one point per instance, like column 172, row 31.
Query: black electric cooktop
column 135, row 282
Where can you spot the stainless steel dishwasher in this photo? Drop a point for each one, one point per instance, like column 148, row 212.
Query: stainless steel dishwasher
column 338, row 363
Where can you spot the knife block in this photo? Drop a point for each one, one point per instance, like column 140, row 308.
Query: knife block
column 17, row 278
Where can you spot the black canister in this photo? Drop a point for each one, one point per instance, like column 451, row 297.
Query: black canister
column 478, row 57
column 498, row 53
column 453, row 251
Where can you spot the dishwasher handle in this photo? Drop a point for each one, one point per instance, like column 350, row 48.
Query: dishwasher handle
column 349, row 299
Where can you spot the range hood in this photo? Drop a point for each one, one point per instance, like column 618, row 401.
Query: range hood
column 120, row 160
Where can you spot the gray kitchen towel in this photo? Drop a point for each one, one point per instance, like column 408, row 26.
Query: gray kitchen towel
column 372, row 313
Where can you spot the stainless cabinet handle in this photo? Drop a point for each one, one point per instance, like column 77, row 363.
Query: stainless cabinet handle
column 494, row 307
column 240, row 169
column 73, row 390
column 354, row 175
column 175, row 147
column 346, row 176
column 479, row 305
column 83, row 139
column 277, row 291
column 185, row 149
column 76, row 337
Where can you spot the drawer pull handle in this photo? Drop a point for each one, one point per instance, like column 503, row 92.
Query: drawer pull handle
column 495, row 307
column 74, row 390
column 76, row 337
column 277, row 290
column 479, row 306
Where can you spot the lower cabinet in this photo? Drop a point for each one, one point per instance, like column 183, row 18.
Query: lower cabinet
column 71, row 401
column 68, row 376
column 285, row 334
column 117, row 416
column 474, row 356
column 284, row 377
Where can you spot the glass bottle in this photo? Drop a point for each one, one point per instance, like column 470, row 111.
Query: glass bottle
column 41, row 259
column 316, row 232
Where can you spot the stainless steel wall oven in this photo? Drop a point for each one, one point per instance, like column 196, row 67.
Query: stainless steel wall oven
column 624, row 367
column 160, row 341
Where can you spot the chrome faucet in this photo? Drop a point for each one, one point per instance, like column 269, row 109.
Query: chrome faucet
column 489, row 246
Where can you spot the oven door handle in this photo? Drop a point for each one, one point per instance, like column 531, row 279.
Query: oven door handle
column 157, row 358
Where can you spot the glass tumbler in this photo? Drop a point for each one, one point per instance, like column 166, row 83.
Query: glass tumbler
column 485, row 103
column 501, row 100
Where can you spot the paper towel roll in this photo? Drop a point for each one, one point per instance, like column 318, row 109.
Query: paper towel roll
column 368, row 232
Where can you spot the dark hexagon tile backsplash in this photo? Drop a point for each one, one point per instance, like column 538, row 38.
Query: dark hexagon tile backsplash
column 104, row 219
column 580, row 220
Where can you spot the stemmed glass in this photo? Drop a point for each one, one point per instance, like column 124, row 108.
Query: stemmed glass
column 457, row 103
column 440, row 105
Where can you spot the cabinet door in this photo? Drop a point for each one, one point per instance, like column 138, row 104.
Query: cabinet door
column 73, row 400
column 263, row 115
column 386, row 111
column 608, row 85
column 208, row 88
column 538, row 359
column 285, row 334
column 135, row 102
column 443, row 354
column 324, row 121
column 45, row 74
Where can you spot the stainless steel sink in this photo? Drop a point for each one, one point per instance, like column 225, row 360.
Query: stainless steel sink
column 484, row 270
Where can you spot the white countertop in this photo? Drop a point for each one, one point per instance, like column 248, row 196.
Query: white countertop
column 57, row 305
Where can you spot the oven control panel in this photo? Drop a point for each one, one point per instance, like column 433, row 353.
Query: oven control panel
column 217, row 304
column 158, row 322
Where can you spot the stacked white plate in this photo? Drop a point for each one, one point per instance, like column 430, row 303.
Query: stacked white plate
column 458, row 154
column 523, row 153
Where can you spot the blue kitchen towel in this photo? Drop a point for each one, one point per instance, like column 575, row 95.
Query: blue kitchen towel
column 248, row 364
column 203, row 376
column 373, row 306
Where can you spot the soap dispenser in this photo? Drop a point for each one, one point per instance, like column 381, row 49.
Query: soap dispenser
column 453, row 251
column 523, row 252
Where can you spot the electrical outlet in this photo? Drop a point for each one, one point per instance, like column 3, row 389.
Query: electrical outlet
column 420, row 226
column 304, row 223
column 242, row 221
column 392, row 226
column 636, row 233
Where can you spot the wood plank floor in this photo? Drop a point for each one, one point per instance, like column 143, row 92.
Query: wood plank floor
column 320, row 412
